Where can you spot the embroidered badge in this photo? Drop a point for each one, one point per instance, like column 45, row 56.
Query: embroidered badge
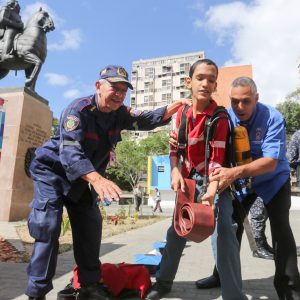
column 103, row 72
column 71, row 123
column 122, row 72
column 93, row 108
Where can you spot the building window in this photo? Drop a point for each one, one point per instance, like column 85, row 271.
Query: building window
column 146, row 100
column 149, row 72
column 184, row 68
column 166, row 84
column 133, row 101
column 182, row 81
column 166, row 98
column 166, row 69
column 148, row 87
column 185, row 94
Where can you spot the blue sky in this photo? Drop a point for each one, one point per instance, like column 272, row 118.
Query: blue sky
column 90, row 34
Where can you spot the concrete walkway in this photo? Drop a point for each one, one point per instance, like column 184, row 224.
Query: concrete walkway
column 196, row 262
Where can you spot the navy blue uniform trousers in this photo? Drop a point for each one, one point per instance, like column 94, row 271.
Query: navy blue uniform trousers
column 44, row 225
column 286, row 279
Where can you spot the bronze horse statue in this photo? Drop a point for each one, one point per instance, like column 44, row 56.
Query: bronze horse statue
column 30, row 48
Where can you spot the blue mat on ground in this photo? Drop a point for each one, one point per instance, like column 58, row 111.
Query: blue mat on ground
column 150, row 261
column 147, row 259
column 160, row 246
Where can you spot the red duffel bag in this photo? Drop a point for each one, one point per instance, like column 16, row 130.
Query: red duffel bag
column 120, row 277
column 192, row 220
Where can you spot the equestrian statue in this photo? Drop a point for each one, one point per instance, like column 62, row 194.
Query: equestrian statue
column 23, row 48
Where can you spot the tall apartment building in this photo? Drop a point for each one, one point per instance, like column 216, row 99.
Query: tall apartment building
column 157, row 82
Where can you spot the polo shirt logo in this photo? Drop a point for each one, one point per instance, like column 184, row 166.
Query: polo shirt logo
column 258, row 134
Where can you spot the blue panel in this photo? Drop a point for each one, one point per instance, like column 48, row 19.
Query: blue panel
column 161, row 172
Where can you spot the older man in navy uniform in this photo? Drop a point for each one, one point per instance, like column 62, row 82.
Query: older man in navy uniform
column 68, row 170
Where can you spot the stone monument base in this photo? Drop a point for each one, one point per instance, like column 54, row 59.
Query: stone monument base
column 28, row 122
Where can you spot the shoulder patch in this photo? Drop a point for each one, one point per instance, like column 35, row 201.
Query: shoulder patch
column 71, row 122
column 79, row 104
column 83, row 103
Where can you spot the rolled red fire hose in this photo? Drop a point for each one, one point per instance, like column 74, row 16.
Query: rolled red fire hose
column 193, row 221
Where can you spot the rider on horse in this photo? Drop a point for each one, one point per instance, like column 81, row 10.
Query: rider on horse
column 10, row 25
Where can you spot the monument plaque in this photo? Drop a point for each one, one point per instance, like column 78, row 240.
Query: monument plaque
column 28, row 122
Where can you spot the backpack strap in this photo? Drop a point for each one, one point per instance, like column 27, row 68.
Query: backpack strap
column 209, row 132
column 182, row 133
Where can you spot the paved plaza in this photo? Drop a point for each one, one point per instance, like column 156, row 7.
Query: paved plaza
column 196, row 262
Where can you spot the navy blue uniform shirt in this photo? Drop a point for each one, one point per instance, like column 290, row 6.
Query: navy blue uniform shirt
column 266, row 130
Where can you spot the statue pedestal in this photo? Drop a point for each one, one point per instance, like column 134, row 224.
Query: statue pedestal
column 28, row 122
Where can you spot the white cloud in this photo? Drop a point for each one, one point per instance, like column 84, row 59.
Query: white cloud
column 72, row 94
column 264, row 34
column 57, row 79
column 29, row 10
column 71, row 39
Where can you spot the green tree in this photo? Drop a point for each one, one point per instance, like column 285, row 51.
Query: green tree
column 55, row 125
column 294, row 96
column 290, row 109
column 156, row 144
column 132, row 158
column 130, row 164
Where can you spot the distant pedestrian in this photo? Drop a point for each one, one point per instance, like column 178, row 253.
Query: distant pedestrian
column 258, row 219
column 137, row 193
column 157, row 200
column 293, row 155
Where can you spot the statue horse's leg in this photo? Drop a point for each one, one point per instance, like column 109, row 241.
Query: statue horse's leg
column 3, row 73
column 32, row 75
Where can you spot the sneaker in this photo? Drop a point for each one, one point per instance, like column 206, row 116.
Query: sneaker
column 159, row 290
column 94, row 291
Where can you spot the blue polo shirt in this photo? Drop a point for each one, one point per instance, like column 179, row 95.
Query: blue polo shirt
column 266, row 130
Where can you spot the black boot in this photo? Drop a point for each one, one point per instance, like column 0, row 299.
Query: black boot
column 159, row 290
column 68, row 293
column 264, row 250
column 37, row 298
column 94, row 291
column 209, row 282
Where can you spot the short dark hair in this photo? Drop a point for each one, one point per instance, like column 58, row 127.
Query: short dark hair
column 205, row 61
column 244, row 81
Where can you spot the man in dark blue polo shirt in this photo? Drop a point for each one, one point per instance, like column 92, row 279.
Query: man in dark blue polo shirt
column 270, row 175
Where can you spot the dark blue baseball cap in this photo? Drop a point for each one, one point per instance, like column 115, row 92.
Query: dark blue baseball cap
column 114, row 74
